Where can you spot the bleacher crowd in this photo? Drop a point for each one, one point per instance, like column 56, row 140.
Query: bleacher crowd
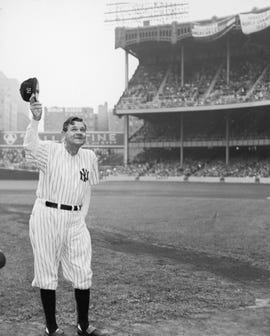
column 192, row 167
column 205, row 83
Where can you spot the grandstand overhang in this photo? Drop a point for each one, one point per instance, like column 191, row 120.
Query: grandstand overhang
column 186, row 109
column 135, row 40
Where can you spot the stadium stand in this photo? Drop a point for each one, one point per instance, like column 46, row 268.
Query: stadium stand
column 210, row 92
column 205, row 84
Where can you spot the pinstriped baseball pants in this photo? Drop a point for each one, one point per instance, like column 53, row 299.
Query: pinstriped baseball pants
column 59, row 237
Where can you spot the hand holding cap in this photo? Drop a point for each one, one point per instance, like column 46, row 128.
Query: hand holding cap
column 35, row 108
column 29, row 91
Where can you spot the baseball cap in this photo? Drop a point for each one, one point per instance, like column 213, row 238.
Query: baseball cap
column 29, row 87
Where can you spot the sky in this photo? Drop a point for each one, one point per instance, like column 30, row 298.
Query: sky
column 68, row 47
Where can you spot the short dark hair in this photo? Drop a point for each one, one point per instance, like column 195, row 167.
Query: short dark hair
column 70, row 121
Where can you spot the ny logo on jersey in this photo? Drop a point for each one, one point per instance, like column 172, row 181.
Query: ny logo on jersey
column 84, row 175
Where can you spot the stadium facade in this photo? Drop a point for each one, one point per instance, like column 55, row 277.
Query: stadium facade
column 199, row 86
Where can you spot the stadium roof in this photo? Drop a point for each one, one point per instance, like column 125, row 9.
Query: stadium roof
column 130, row 39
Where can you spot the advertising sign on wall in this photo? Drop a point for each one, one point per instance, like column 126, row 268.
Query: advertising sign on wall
column 93, row 139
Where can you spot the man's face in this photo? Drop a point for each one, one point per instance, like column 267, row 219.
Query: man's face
column 76, row 134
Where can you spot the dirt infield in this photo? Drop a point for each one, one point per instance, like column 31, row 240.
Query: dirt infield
column 174, row 259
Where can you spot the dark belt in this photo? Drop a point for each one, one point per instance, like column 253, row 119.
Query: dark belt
column 63, row 206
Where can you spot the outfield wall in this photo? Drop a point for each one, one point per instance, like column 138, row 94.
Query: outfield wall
column 186, row 179
column 13, row 174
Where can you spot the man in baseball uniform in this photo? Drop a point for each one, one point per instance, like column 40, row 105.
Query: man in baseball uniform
column 57, row 227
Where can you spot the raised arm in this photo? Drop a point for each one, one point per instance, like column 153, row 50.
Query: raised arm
column 31, row 139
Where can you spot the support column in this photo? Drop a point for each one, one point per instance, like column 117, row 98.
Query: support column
column 227, row 138
column 126, row 117
column 182, row 66
column 228, row 56
column 181, row 139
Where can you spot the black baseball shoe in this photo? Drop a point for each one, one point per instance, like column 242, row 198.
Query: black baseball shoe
column 91, row 331
column 57, row 332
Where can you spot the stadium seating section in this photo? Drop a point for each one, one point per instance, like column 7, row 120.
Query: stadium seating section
column 206, row 83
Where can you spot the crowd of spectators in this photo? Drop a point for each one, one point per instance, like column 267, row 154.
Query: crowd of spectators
column 199, row 168
column 205, row 126
column 238, row 167
column 243, row 75
column 154, row 131
column 143, row 87
column 14, row 158
column 262, row 89
column 162, row 163
column 205, row 83
column 198, row 79
column 134, row 169
column 108, row 157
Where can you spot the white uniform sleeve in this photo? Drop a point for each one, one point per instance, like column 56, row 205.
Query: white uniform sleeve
column 34, row 147
column 94, row 174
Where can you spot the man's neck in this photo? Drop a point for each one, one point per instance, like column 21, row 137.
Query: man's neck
column 72, row 150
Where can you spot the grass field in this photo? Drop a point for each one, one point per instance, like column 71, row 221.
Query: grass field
column 168, row 258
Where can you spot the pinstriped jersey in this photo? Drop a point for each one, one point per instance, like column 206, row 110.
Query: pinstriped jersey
column 63, row 177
